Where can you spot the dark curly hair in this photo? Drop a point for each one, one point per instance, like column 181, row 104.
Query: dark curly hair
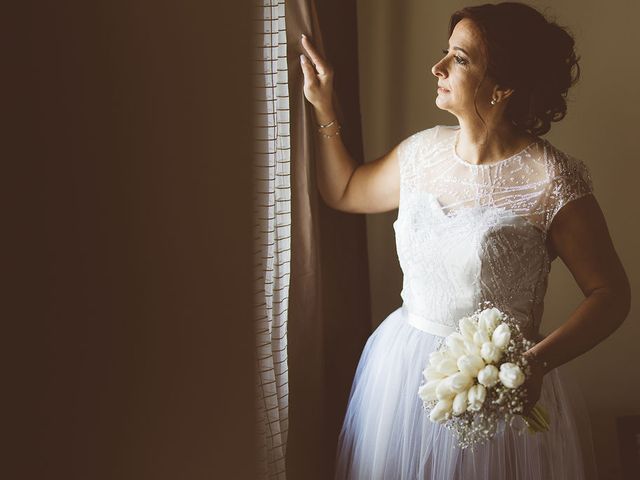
column 529, row 54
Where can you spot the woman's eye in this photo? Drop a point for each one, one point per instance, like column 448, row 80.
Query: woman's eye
column 457, row 58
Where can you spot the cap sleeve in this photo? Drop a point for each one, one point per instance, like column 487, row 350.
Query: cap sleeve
column 572, row 180
column 410, row 151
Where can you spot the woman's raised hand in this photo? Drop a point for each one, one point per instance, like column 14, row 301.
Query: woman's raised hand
column 318, row 78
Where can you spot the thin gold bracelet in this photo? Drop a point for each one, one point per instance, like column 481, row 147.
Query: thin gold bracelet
column 327, row 124
column 337, row 132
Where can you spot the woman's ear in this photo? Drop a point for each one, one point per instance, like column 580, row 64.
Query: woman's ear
column 502, row 93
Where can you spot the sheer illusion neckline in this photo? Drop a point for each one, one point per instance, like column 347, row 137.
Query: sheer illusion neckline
column 493, row 164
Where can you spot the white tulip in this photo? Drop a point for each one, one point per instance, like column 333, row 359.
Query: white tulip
column 442, row 411
column 481, row 337
column 490, row 353
column 447, row 366
column 444, row 390
column 488, row 376
column 432, row 373
column 468, row 328
column 510, row 375
column 460, row 403
column 501, row 336
column 470, row 364
column 427, row 392
column 476, row 397
column 489, row 319
column 472, row 348
column 455, row 342
column 460, row 382
column 437, row 356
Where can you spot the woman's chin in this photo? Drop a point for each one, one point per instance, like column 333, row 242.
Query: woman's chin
column 441, row 103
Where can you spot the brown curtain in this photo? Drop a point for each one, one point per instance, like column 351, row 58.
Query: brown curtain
column 329, row 303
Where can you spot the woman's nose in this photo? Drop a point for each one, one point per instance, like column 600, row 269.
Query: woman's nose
column 437, row 70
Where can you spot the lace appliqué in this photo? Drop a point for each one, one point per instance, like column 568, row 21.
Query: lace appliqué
column 471, row 233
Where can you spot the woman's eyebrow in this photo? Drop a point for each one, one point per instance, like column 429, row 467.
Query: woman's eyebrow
column 462, row 50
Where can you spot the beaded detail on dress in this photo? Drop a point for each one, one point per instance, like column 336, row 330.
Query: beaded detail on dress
column 469, row 233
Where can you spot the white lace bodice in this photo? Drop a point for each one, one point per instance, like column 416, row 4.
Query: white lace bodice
column 469, row 233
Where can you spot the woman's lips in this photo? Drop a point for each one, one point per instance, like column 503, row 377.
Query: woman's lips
column 442, row 90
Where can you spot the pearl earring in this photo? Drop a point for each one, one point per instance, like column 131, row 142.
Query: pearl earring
column 493, row 101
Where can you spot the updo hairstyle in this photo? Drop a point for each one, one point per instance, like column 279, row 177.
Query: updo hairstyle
column 530, row 54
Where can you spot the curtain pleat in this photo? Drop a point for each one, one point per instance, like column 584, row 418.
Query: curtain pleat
column 312, row 306
column 329, row 303
column 272, row 236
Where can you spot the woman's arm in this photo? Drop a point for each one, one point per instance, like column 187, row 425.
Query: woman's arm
column 343, row 184
column 580, row 236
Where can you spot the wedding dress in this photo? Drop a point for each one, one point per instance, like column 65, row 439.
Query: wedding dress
column 465, row 234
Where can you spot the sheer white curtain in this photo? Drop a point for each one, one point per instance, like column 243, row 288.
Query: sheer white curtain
column 272, row 235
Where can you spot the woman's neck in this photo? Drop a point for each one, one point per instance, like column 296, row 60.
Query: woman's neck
column 478, row 146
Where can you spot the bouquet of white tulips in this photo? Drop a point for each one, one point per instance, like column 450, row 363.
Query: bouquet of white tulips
column 474, row 381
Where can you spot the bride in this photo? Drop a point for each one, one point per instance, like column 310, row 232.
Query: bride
column 484, row 207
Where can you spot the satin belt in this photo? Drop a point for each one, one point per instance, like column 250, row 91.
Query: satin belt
column 421, row 323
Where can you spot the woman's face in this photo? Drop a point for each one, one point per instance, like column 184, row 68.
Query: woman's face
column 460, row 72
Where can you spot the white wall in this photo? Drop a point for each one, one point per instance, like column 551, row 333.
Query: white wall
column 400, row 41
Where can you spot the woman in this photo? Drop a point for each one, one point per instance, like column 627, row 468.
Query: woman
column 483, row 208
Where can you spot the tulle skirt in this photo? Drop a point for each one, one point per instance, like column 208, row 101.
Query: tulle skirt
column 387, row 434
